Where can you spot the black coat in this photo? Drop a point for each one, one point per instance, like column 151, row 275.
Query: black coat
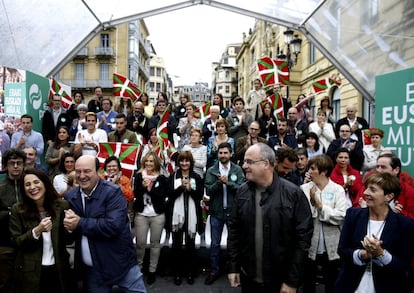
column 397, row 239
column 356, row 156
column 48, row 125
column 196, row 194
column 287, row 232
column 363, row 124
column 157, row 194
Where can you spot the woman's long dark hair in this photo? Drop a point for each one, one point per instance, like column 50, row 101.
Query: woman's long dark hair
column 57, row 144
column 28, row 206
column 315, row 137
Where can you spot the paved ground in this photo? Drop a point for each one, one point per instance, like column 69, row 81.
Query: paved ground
column 164, row 282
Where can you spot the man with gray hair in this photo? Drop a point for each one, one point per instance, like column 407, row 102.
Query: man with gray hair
column 356, row 123
column 269, row 230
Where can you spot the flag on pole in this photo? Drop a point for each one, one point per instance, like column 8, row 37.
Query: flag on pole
column 56, row 88
column 203, row 113
column 273, row 71
column 277, row 105
column 127, row 153
column 327, row 83
column 123, row 87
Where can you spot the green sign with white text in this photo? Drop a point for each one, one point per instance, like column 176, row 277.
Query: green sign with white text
column 394, row 113
column 27, row 97
column 37, row 89
column 15, row 99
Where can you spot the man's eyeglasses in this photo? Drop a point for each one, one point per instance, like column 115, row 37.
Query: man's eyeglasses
column 251, row 162
column 254, row 129
column 15, row 163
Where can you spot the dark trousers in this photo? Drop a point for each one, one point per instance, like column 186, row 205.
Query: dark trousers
column 329, row 271
column 248, row 285
column 183, row 256
column 6, row 271
column 49, row 280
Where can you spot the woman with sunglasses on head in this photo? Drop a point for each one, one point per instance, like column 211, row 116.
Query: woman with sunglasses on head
column 149, row 209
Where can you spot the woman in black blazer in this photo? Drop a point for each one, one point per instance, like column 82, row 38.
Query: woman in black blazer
column 376, row 244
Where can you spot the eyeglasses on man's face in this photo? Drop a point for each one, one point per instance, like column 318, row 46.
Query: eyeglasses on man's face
column 251, row 162
column 15, row 163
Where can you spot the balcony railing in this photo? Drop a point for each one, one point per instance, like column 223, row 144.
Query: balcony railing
column 144, row 70
column 103, row 51
column 89, row 83
column 82, row 52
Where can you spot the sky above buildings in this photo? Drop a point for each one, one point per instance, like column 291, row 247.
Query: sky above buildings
column 191, row 39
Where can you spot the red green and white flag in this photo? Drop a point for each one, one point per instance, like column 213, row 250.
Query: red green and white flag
column 277, row 105
column 327, row 83
column 203, row 113
column 127, row 153
column 366, row 136
column 165, row 153
column 123, row 87
column 57, row 88
column 162, row 127
column 273, row 71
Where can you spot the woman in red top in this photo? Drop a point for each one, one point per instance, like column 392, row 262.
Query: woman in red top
column 344, row 175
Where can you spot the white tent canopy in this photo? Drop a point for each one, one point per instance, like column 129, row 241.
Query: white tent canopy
column 361, row 38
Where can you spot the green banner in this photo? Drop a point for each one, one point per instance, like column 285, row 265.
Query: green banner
column 37, row 92
column 394, row 113
column 15, row 99
column 27, row 97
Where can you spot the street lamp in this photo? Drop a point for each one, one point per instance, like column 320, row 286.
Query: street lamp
column 296, row 42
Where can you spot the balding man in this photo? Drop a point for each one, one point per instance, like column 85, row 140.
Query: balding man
column 357, row 124
column 98, row 218
column 269, row 229
column 297, row 127
column 243, row 143
column 137, row 121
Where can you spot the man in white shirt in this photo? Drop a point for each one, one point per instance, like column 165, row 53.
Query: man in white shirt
column 89, row 139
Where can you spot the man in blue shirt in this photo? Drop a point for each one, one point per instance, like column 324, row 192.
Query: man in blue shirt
column 28, row 137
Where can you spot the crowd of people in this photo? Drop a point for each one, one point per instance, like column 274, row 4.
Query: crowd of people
column 302, row 197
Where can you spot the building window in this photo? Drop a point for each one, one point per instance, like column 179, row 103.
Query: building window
column 104, row 72
column 336, row 103
column 151, row 86
column 79, row 71
column 252, row 59
column 152, row 71
column 227, row 89
column 225, row 60
column 158, row 87
column 312, row 53
column 227, row 74
column 159, row 71
column 105, row 40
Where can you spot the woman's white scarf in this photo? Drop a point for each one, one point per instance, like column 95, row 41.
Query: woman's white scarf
column 178, row 217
